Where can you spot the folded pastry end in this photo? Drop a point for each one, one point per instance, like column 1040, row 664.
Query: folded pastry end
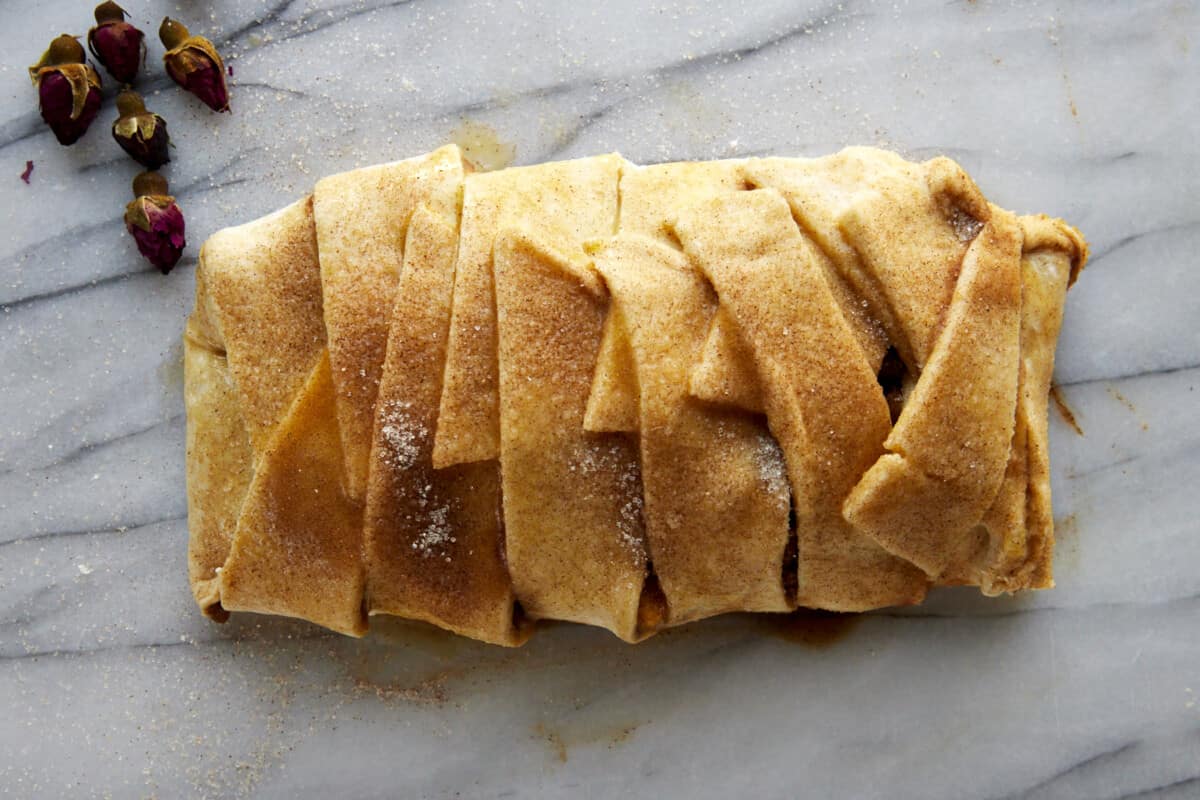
column 298, row 547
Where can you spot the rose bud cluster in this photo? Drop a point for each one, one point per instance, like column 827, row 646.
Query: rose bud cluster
column 69, row 97
column 117, row 44
column 68, row 89
column 194, row 64
column 155, row 222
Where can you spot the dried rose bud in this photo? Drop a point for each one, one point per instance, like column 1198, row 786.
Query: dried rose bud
column 194, row 64
column 155, row 222
column 116, row 43
column 141, row 133
column 68, row 89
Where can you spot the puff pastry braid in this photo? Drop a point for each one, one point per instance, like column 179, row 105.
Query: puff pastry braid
column 624, row 396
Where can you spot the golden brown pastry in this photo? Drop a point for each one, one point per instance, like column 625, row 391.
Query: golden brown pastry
column 566, row 202
column 362, row 219
column 251, row 343
column 625, row 396
column 298, row 547
column 822, row 401
column 432, row 537
column 572, row 498
column 715, row 494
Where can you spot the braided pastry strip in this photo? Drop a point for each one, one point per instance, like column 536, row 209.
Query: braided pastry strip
column 821, row 398
column 625, row 396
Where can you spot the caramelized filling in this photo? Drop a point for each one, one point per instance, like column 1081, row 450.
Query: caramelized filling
column 790, row 574
column 652, row 607
column 520, row 622
column 891, row 379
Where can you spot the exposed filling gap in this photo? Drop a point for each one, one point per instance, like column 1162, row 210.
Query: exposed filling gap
column 790, row 568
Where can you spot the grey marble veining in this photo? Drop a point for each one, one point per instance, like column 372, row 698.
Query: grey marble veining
column 112, row 684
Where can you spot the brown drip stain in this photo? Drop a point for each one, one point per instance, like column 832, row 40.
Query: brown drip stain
column 1122, row 399
column 1125, row 401
column 1055, row 34
column 1066, row 543
column 621, row 736
column 553, row 739
column 810, row 627
column 561, row 739
column 1064, row 410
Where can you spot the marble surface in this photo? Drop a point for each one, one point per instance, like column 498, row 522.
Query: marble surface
column 113, row 685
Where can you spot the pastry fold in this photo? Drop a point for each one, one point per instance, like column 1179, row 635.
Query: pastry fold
column 432, row 538
column 362, row 219
column 572, row 498
column 822, row 401
column 624, row 396
column 251, row 343
column 716, row 498
column 564, row 202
